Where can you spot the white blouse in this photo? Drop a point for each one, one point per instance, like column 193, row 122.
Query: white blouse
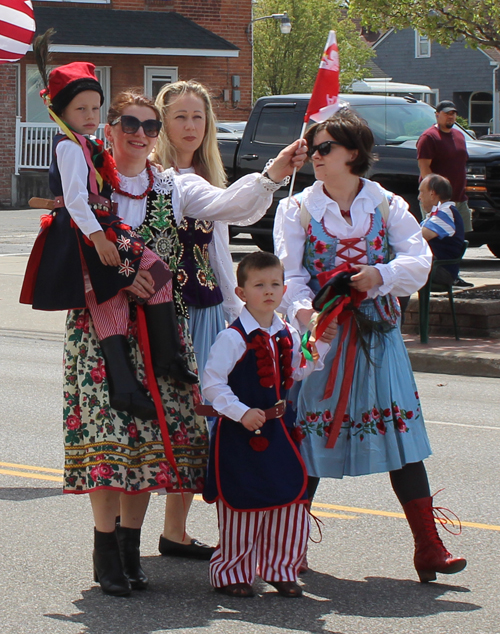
column 403, row 275
column 74, row 175
column 222, row 265
column 228, row 349
column 246, row 200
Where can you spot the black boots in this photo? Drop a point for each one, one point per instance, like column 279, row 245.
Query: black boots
column 129, row 543
column 126, row 394
column 108, row 570
column 165, row 343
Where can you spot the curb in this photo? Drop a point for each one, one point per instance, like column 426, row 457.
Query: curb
column 455, row 362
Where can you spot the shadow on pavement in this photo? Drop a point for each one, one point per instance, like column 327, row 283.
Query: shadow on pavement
column 180, row 597
column 22, row 494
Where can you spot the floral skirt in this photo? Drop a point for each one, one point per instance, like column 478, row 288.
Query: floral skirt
column 108, row 449
column 383, row 428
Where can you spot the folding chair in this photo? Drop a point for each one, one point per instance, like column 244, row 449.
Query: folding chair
column 432, row 287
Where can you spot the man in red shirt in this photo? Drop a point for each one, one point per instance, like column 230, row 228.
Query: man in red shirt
column 441, row 149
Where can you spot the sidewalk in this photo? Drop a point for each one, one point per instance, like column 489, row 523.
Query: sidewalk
column 446, row 355
column 469, row 357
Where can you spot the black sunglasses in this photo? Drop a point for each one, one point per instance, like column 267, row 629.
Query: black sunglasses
column 323, row 149
column 130, row 125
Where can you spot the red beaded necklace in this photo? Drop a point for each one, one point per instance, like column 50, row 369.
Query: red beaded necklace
column 149, row 171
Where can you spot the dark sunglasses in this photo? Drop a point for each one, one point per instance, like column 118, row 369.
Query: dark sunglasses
column 130, row 125
column 323, row 149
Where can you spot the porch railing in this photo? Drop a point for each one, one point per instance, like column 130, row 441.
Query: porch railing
column 34, row 144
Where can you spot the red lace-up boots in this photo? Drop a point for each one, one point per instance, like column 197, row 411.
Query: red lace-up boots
column 430, row 554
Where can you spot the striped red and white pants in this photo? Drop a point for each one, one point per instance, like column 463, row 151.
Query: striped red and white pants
column 111, row 317
column 268, row 543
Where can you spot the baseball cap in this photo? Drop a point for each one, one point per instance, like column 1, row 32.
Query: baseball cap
column 446, row 106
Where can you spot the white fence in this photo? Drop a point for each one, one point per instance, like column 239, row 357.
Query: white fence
column 34, row 144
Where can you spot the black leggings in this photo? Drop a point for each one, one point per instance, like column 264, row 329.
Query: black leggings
column 409, row 483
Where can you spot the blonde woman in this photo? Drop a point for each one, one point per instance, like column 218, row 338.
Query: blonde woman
column 188, row 143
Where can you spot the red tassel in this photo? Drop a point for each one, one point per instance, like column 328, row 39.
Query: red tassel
column 267, row 381
column 258, row 443
column 46, row 221
column 111, row 235
column 108, row 170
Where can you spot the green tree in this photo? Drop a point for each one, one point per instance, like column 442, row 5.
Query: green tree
column 478, row 21
column 289, row 63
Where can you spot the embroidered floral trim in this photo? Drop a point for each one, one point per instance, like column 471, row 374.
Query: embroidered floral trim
column 375, row 422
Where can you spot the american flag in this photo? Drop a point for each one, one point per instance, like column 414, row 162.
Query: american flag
column 17, row 28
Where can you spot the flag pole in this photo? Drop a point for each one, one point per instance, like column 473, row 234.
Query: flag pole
column 292, row 181
column 324, row 97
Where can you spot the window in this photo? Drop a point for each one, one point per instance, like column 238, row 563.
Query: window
column 422, row 45
column 396, row 124
column 481, row 112
column 36, row 111
column 277, row 126
column 155, row 77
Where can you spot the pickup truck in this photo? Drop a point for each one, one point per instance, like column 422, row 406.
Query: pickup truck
column 396, row 123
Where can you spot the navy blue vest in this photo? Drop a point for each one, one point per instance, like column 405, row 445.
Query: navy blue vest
column 199, row 284
column 244, row 478
column 55, row 269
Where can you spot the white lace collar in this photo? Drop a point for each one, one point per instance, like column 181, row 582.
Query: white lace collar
column 163, row 181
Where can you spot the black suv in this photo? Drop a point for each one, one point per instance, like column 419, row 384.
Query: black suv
column 396, row 123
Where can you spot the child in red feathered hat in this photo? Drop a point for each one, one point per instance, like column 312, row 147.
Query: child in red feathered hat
column 255, row 471
column 85, row 256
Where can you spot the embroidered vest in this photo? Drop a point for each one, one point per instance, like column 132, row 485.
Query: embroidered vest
column 322, row 249
column 243, row 476
column 195, row 274
column 160, row 233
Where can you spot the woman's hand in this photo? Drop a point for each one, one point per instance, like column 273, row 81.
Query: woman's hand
column 307, row 317
column 291, row 157
column 143, row 285
column 330, row 332
column 367, row 278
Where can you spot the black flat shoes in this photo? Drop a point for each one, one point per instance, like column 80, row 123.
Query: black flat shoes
column 194, row 550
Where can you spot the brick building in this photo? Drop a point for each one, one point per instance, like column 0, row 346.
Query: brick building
column 133, row 43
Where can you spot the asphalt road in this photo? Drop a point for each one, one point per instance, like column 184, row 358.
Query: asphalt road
column 362, row 580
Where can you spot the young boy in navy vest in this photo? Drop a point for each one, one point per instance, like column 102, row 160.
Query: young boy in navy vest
column 256, row 474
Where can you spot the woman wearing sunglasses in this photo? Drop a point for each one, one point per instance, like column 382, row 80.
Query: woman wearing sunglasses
column 361, row 414
column 116, row 458
column 188, row 143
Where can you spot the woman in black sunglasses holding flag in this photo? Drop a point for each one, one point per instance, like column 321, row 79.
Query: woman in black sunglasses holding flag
column 115, row 457
column 349, row 248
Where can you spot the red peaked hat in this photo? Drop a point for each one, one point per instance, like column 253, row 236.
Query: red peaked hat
column 65, row 82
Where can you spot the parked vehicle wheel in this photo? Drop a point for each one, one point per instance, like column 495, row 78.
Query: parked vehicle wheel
column 264, row 242
column 495, row 248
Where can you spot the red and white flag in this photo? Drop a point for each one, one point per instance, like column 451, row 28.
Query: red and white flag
column 17, row 28
column 325, row 96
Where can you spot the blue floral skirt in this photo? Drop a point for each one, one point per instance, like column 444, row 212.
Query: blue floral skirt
column 204, row 326
column 383, row 428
